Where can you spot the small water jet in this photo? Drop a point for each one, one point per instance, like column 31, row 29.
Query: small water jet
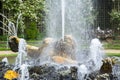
column 10, row 26
column 21, row 53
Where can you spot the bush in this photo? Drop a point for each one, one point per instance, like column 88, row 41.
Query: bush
column 3, row 38
column 31, row 32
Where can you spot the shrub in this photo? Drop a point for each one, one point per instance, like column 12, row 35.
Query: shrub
column 31, row 31
column 3, row 38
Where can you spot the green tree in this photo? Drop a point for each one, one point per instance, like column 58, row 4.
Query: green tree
column 31, row 10
column 31, row 31
column 115, row 14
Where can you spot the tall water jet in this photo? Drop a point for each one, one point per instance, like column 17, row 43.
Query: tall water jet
column 75, row 20
column 63, row 17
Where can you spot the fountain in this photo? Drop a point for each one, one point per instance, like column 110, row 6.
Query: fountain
column 69, row 52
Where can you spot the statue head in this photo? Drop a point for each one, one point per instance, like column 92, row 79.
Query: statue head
column 107, row 65
column 13, row 43
column 47, row 41
column 65, row 47
column 68, row 38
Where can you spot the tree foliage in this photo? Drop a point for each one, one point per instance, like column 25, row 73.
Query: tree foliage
column 115, row 15
column 32, row 31
column 31, row 10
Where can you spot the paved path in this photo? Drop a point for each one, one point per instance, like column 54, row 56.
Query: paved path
column 106, row 51
column 112, row 51
column 7, row 52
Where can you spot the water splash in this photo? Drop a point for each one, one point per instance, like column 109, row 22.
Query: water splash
column 5, row 60
column 82, row 70
column 22, row 54
column 96, row 53
column 21, row 61
column 24, row 72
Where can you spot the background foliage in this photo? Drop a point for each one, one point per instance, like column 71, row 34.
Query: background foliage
column 32, row 11
column 31, row 31
column 115, row 17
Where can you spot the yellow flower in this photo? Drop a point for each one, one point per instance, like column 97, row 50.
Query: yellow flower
column 10, row 74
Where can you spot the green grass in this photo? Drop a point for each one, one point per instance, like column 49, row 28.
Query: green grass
column 113, row 45
column 3, row 46
column 113, row 54
column 8, row 55
column 4, row 49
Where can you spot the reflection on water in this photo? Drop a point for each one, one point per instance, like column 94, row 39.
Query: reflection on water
column 11, row 59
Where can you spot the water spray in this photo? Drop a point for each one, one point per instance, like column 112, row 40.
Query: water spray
column 63, row 18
